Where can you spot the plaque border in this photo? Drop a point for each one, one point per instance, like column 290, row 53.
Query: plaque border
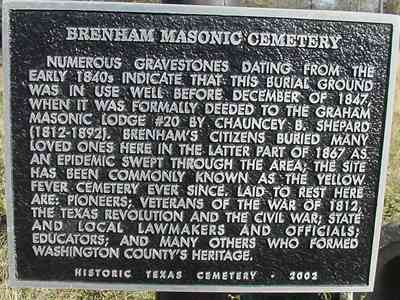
column 339, row 16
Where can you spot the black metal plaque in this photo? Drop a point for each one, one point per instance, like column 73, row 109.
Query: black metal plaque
column 190, row 148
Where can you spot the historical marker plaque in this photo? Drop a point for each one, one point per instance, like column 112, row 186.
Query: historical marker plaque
column 192, row 148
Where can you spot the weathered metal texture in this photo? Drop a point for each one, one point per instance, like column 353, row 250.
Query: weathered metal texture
column 28, row 57
column 375, row 37
column 198, row 296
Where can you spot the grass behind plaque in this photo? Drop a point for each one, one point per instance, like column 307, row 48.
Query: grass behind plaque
column 392, row 195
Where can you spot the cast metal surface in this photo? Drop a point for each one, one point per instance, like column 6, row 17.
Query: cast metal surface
column 364, row 41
